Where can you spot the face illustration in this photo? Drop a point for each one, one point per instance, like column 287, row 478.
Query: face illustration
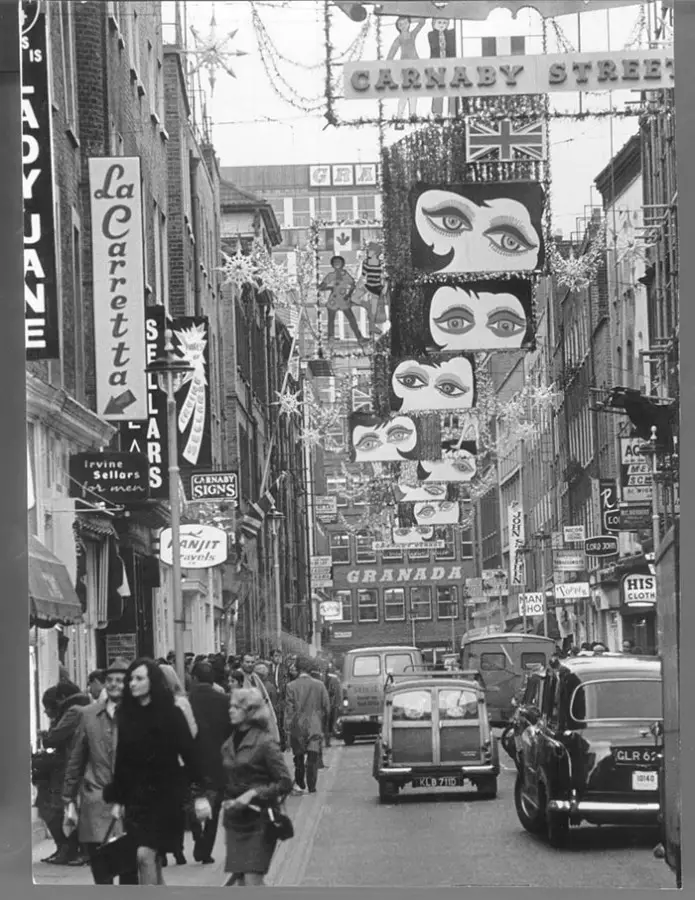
column 422, row 493
column 402, row 23
column 439, row 512
column 420, row 386
column 496, row 237
column 459, row 468
column 465, row 320
column 416, row 535
column 440, row 24
column 338, row 263
column 140, row 683
column 385, row 442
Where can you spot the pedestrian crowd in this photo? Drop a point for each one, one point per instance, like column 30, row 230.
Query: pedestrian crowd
column 130, row 764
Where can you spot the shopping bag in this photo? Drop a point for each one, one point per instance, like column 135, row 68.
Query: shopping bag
column 116, row 854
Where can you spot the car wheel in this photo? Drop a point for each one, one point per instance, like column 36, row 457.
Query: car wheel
column 487, row 787
column 530, row 816
column 557, row 825
column 348, row 739
column 387, row 791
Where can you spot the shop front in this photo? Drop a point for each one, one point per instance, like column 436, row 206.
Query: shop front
column 638, row 612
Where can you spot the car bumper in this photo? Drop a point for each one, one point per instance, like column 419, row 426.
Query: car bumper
column 594, row 807
column 361, row 722
column 420, row 771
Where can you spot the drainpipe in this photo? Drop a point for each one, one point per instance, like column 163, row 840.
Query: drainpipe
column 197, row 237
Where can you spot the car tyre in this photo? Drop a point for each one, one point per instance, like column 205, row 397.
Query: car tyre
column 487, row 787
column 531, row 819
column 557, row 824
column 387, row 791
column 348, row 739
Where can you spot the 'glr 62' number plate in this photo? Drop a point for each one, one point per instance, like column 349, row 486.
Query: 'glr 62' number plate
column 438, row 781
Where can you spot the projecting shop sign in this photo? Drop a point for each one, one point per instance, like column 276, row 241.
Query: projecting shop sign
column 215, row 486
column 202, row 546
column 574, row 590
column 635, row 472
column 42, row 329
column 119, row 287
column 639, row 590
column 531, row 604
column 574, row 534
column 111, row 476
column 627, row 70
column 569, row 561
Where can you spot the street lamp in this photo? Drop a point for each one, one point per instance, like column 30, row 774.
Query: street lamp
column 167, row 369
column 275, row 519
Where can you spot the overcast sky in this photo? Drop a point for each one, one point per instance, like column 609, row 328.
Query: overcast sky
column 253, row 126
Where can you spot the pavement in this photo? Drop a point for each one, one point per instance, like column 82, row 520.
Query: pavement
column 345, row 838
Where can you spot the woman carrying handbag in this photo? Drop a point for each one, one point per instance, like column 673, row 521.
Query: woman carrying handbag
column 150, row 787
column 256, row 780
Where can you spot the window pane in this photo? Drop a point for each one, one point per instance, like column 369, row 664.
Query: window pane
column 278, row 205
column 340, row 547
column 366, row 207
column 617, row 700
column 467, row 544
column 367, row 606
column 458, row 705
column 394, row 605
column 447, row 606
column 421, row 603
column 344, row 207
column 397, row 663
column 392, row 556
column 365, row 553
column 366, row 665
column 530, row 660
column 492, row 662
column 323, row 209
column 445, row 533
column 412, row 705
column 419, row 555
column 345, row 600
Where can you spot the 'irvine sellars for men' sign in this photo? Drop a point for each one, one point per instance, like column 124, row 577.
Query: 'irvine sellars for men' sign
column 626, row 70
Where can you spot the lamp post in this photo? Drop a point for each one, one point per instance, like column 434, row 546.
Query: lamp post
column 167, row 368
column 275, row 519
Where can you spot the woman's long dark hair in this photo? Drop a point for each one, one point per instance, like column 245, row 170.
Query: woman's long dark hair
column 162, row 700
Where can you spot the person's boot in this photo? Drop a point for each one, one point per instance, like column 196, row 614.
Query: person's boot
column 63, row 857
column 180, row 858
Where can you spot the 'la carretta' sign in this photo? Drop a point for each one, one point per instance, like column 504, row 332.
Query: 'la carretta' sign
column 631, row 70
column 202, row 546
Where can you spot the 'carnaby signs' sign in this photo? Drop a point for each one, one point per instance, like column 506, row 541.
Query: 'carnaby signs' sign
column 116, row 477
column 215, row 486
column 405, row 575
column 631, row 70
column 119, row 288
column 202, row 546
column 41, row 329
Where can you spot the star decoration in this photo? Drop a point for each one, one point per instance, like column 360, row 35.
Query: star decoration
column 311, row 437
column 289, row 403
column 211, row 52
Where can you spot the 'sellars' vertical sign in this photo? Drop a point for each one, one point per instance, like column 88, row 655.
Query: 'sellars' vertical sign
column 42, row 335
column 115, row 192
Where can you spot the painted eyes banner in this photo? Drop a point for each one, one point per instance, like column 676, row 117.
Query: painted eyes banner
column 478, row 227
column 459, row 450
column 433, row 512
column 394, row 438
column 423, row 385
column 407, row 494
column 415, row 535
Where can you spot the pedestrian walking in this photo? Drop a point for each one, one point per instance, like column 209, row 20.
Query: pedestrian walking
column 279, row 677
column 335, row 696
column 181, row 700
column 250, row 680
column 211, row 711
column 306, row 709
column 256, row 778
column 63, row 705
column 149, row 786
column 89, row 769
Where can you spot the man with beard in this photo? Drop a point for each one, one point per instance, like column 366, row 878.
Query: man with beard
column 90, row 769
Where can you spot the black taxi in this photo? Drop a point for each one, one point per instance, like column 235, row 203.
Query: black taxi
column 435, row 733
column 588, row 751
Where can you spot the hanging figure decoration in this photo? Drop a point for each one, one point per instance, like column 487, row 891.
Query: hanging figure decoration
column 442, row 41
column 192, row 342
column 405, row 42
column 340, row 286
column 371, row 287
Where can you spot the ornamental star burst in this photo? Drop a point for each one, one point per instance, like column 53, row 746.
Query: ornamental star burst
column 289, row 403
column 211, row 53
column 311, row 437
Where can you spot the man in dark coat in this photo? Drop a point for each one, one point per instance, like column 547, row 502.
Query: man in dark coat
column 335, row 695
column 65, row 707
column 211, row 711
column 306, row 709
column 90, row 769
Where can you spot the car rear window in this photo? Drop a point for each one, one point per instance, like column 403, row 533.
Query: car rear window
column 412, row 706
column 396, row 663
column 492, row 662
column 627, row 699
column 366, row 665
column 455, row 704
column 532, row 660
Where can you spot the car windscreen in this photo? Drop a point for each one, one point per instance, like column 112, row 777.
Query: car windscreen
column 616, row 699
column 366, row 666
column 397, row 663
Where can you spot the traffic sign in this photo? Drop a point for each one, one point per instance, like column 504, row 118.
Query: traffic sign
column 601, row 545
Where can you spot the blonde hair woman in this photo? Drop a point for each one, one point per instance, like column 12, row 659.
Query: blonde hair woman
column 256, row 778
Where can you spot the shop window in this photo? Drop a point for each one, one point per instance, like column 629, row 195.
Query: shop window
column 367, row 606
column 394, row 605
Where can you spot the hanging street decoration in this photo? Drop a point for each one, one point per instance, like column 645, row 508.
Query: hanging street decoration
column 290, row 403
column 475, row 10
column 212, row 52
column 505, row 140
column 577, row 271
column 420, row 386
column 191, row 340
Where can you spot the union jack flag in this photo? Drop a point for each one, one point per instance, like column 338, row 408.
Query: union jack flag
column 504, row 141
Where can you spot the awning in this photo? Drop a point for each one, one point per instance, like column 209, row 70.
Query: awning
column 52, row 597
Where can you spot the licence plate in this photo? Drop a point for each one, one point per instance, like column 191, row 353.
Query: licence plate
column 631, row 756
column 645, row 781
column 438, row 781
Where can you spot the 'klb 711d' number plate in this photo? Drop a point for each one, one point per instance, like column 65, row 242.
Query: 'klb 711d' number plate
column 438, row 781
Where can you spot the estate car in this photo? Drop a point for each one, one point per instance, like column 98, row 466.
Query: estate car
column 588, row 751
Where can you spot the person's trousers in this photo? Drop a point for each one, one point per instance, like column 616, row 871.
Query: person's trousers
column 204, row 834
column 306, row 769
column 69, row 844
column 352, row 321
column 101, row 875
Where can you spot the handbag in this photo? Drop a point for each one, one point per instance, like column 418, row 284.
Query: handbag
column 115, row 855
column 43, row 762
column 279, row 822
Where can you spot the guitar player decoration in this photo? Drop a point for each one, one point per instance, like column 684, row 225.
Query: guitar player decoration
column 340, row 286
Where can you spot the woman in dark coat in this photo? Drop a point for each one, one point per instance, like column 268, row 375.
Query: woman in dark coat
column 148, row 779
column 256, row 777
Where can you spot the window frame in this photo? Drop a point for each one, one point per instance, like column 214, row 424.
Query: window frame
column 453, row 590
column 344, row 597
column 387, row 603
column 346, row 546
column 392, row 555
column 445, row 533
column 420, row 554
column 413, row 590
column 371, row 553
column 371, row 592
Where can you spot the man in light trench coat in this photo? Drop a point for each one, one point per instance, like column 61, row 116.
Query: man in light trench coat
column 90, row 769
column 307, row 707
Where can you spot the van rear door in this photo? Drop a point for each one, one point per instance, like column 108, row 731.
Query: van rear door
column 364, row 687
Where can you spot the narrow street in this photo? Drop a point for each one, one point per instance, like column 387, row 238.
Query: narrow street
column 344, row 837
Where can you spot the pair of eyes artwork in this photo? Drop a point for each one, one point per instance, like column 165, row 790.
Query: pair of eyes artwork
column 474, row 249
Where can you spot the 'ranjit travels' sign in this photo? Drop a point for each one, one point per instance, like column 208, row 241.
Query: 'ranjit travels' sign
column 404, row 575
